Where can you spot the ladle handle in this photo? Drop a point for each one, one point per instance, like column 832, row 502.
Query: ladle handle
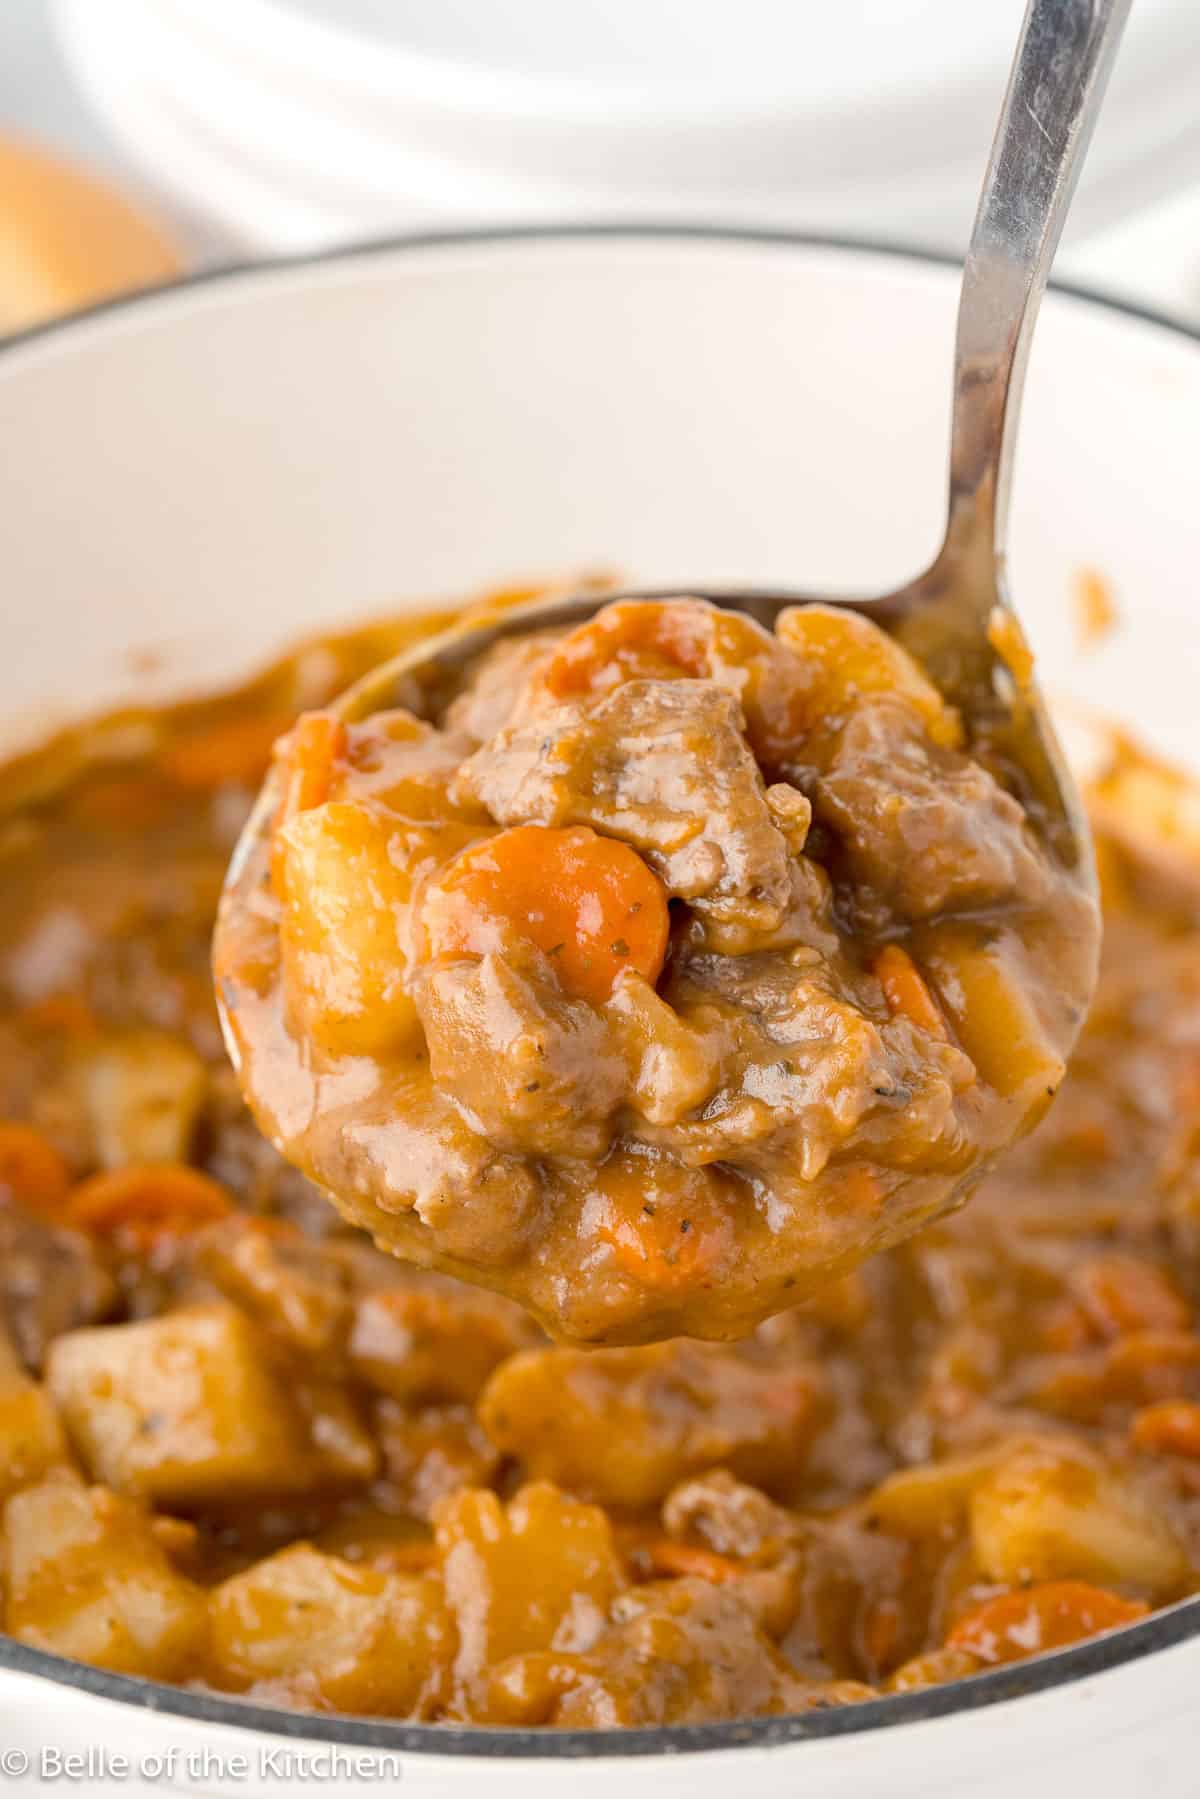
column 1054, row 92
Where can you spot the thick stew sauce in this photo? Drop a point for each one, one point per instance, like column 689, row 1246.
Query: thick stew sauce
column 665, row 972
column 242, row 1448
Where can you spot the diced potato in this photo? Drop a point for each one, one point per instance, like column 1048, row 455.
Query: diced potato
column 86, row 1577
column 986, row 987
column 539, row 1573
column 1041, row 1516
column 433, row 1339
column 856, row 659
column 31, row 1436
column 142, row 1092
column 342, row 1445
column 326, row 1632
column 343, row 960
column 931, row 1498
column 180, row 1409
column 623, row 1426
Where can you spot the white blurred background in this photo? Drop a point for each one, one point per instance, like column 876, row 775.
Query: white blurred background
column 258, row 127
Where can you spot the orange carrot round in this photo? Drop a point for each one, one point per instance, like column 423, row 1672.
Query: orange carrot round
column 147, row 1201
column 1050, row 1615
column 662, row 1236
column 674, row 639
column 589, row 904
column 32, row 1173
column 629, row 640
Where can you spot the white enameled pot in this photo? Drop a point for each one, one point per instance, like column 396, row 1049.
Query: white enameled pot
column 212, row 471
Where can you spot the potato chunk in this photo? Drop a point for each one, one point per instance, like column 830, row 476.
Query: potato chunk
column 142, row 1092
column 849, row 659
column 540, row 1573
column 623, row 1426
column 31, row 1437
column 85, row 1577
column 340, row 934
column 1040, row 1516
column 328, row 1633
column 180, row 1409
column 433, row 1339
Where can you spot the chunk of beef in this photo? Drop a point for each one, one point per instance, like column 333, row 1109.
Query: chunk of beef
column 925, row 828
column 680, row 1652
column 51, row 1280
column 664, row 766
column 812, row 1069
column 497, row 684
column 533, row 1072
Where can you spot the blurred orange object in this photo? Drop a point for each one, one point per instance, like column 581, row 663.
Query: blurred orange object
column 67, row 240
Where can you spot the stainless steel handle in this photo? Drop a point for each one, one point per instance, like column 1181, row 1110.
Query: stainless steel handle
column 1054, row 92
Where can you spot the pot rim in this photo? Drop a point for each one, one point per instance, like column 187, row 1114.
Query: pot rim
column 1162, row 1630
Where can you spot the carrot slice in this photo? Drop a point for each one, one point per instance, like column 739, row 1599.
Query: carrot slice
column 907, row 992
column 32, row 1173
column 674, row 639
column 628, row 640
column 1046, row 1616
column 238, row 750
column 147, row 1201
column 588, row 903
column 666, row 1556
column 1172, row 1425
column 664, row 1236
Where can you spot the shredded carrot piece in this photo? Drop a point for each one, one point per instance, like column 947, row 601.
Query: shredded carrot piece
column 1046, row 1616
column 664, row 1250
column 1123, row 1293
column 1172, row 1425
column 860, row 1191
column 1066, row 1328
column 147, row 1202
column 178, row 1536
column 662, row 1239
column 666, row 1556
column 32, row 1173
column 403, row 1558
column 236, row 751
column 907, row 992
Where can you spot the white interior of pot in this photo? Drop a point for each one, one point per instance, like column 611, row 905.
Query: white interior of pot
column 211, row 473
